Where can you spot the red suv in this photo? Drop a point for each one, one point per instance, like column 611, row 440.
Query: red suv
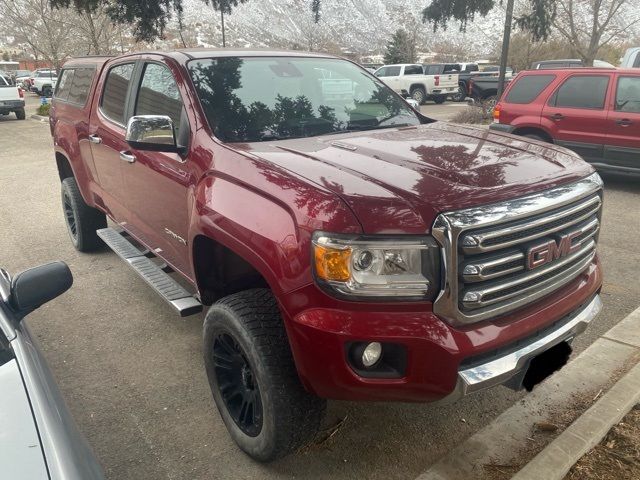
column 593, row 111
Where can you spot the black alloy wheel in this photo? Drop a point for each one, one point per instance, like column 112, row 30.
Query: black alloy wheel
column 69, row 216
column 238, row 385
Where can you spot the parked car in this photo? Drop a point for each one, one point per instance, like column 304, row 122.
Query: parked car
column 484, row 89
column 421, row 85
column 39, row 438
column 471, row 71
column 594, row 112
column 11, row 99
column 631, row 58
column 350, row 248
column 44, row 82
column 567, row 63
column 21, row 79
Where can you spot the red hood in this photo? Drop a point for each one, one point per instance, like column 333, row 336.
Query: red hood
column 398, row 180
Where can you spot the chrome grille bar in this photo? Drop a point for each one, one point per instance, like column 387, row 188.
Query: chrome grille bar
column 503, row 256
column 531, row 230
column 490, row 294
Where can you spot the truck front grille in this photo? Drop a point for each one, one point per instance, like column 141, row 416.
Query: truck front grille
column 504, row 256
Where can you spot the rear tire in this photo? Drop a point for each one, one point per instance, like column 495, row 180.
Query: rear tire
column 440, row 99
column 47, row 91
column 20, row 114
column 253, row 378
column 81, row 219
column 419, row 95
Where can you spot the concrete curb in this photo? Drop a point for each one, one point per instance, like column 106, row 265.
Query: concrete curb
column 555, row 461
column 40, row 118
column 502, row 441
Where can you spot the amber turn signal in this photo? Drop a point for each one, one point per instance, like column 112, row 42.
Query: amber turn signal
column 332, row 264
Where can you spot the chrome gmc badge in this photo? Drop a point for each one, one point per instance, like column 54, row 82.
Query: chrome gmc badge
column 552, row 250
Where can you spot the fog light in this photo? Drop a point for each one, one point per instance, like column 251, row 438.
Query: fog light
column 371, row 354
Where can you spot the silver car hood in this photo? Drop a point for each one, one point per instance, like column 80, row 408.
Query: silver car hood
column 21, row 455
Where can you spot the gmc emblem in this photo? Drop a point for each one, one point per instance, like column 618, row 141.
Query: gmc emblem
column 551, row 250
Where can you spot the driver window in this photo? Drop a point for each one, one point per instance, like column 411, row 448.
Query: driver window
column 159, row 95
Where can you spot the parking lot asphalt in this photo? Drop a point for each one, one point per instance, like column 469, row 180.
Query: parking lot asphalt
column 132, row 371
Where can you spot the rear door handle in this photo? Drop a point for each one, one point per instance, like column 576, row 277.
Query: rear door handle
column 127, row 157
column 624, row 122
column 557, row 116
column 95, row 139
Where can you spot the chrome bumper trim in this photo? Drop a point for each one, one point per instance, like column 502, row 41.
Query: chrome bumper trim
column 501, row 369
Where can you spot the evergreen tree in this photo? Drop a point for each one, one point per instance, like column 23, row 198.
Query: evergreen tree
column 400, row 49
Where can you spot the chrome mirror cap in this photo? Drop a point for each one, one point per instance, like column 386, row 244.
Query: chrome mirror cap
column 151, row 132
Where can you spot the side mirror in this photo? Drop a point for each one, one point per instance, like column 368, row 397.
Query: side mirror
column 36, row 286
column 152, row 132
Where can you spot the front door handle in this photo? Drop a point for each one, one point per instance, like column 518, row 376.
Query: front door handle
column 557, row 116
column 127, row 157
column 95, row 139
column 624, row 122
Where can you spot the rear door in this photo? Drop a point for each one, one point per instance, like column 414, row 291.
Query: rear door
column 623, row 139
column 106, row 135
column 576, row 116
column 158, row 183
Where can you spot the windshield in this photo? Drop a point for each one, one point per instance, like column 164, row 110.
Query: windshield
column 269, row 98
column 46, row 74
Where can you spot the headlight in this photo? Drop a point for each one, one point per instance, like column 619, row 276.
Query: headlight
column 379, row 266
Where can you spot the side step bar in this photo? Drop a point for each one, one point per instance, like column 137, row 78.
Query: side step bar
column 170, row 290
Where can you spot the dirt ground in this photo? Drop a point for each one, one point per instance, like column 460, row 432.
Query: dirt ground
column 617, row 457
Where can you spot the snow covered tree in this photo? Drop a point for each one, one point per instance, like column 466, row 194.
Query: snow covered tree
column 400, row 49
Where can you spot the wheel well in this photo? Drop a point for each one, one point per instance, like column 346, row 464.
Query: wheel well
column 533, row 131
column 64, row 167
column 417, row 85
column 221, row 272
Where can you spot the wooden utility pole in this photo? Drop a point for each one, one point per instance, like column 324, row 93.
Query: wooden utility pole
column 224, row 43
column 506, row 38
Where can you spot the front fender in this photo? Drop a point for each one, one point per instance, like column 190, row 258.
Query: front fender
column 272, row 231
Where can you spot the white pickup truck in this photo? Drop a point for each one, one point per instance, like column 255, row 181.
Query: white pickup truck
column 44, row 82
column 411, row 78
column 11, row 99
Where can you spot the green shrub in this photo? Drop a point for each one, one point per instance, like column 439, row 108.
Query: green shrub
column 44, row 110
column 473, row 114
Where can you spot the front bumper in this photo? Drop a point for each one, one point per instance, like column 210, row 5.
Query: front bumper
column 443, row 362
column 513, row 363
column 501, row 127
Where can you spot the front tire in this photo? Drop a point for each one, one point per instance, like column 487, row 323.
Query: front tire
column 440, row 99
column 47, row 91
column 533, row 136
column 253, row 378
column 81, row 219
column 20, row 114
column 460, row 96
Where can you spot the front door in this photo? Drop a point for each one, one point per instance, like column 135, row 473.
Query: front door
column 623, row 139
column 158, row 183
column 578, row 114
column 106, row 135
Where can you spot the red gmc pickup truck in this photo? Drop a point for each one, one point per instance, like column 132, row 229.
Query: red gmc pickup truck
column 349, row 247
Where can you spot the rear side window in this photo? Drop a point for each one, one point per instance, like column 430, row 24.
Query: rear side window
column 64, row 85
column 3, row 82
column 80, row 85
column 413, row 70
column 388, row 72
column 584, row 91
column 628, row 95
column 114, row 95
column 526, row 89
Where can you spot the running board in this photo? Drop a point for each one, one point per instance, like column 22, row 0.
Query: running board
column 170, row 290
